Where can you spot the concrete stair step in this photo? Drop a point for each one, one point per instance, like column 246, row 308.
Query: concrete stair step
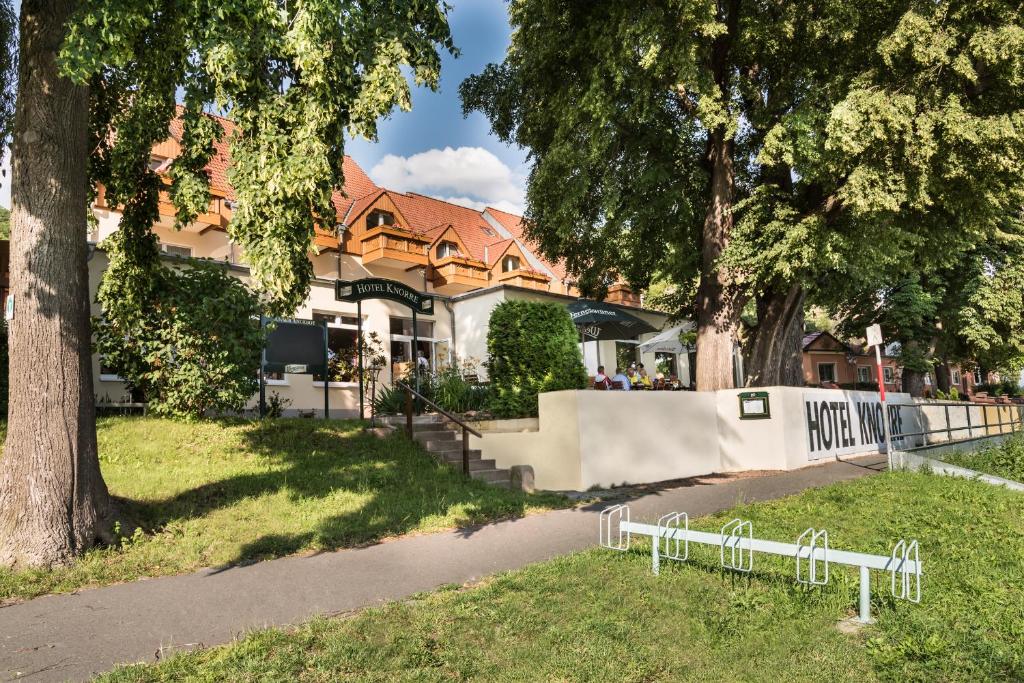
column 399, row 420
column 434, row 435
column 474, row 465
column 491, row 476
column 444, row 447
column 455, row 454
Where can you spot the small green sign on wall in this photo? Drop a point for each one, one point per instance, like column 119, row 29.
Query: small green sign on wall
column 754, row 405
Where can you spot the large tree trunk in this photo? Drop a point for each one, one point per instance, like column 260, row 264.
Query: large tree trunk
column 53, row 502
column 774, row 355
column 717, row 300
column 913, row 382
column 943, row 380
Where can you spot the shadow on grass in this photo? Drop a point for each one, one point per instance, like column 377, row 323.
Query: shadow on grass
column 398, row 488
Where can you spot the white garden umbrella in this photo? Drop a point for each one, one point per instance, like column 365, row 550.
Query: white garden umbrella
column 668, row 341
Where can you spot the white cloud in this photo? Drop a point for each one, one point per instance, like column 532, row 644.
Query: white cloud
column 469, row 176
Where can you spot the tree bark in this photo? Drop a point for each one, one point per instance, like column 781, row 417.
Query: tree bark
column 53, row 501
column 913, row 382
column 717, row 300
column 774, row 355
column 943, row 379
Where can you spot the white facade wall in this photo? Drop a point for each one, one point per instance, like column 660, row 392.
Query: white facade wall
column 604, row 438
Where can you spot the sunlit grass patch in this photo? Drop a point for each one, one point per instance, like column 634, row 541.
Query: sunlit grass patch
column 214, row 493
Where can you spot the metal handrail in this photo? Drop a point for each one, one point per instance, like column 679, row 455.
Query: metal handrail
column 1015, row 425
column 466, row 429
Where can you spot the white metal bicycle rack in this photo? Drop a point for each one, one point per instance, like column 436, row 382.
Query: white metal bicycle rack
column 671, row 538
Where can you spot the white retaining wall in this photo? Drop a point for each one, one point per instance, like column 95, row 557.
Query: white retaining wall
column 590, row 439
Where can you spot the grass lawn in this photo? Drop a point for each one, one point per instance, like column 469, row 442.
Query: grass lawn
column 213, row 493
column 600, row 615
column 1005, row 460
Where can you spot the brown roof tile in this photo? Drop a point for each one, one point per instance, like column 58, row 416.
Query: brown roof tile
column 514, row 224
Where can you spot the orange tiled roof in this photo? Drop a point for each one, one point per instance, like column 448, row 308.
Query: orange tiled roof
column 514, row 224
column 432, row 216
column 424, row 214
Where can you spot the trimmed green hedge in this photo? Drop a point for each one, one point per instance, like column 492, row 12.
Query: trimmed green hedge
column 532, row 347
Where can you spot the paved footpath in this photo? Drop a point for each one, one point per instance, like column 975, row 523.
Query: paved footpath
column 72, row 637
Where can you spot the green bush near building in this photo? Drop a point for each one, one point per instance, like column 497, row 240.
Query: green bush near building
column 191, row 344
column 532, row 348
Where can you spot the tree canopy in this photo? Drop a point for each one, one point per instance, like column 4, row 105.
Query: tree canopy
column 294, row 77
column 101, row 80
column 769, row 150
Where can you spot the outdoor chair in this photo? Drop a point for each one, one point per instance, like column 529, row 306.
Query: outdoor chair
column 600, row 386
column 617, row 384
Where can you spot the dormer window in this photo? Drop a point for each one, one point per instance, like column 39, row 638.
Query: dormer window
column 509, row 263
column 446, row 249
column 378, row 218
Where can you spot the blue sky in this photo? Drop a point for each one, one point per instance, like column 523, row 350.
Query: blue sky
column 433, row 149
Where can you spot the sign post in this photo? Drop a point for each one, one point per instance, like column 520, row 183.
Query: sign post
column 392, row 290
column 296, row 347
column 874, row 334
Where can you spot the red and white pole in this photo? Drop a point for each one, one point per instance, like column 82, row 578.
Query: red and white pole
column 885, row 409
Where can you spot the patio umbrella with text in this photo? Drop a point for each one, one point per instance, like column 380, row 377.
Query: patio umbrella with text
column 600, row 321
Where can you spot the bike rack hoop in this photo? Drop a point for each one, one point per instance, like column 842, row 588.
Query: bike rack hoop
column 814, row 550
column 738, row 535
column 903, row 554
column 613, row 514
column 670, row 523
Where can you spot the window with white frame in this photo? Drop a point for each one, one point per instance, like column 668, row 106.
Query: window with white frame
column 377, row 218
column 863, row 374
column 446, row 249
column 278, row 378
column 954, row 377
column 977, row 375
column 431, row 352
column 176, row 250
column 509, row 263
column 888, row 374
column 826, row 372
column 342, row 353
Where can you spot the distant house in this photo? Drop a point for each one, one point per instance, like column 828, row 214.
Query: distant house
column 828, row 361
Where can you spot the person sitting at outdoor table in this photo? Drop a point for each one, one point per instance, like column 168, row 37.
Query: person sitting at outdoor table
column 601, row 378
column 622, row 379
column 631, row 373
column 642, row 379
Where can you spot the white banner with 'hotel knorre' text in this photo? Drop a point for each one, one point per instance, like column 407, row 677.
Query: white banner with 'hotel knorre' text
column 845, row 422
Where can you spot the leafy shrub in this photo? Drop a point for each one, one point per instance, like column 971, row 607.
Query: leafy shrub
column 390, row 400
column 276, row 405
column 1007, row 387
column 190, row 340
column 1005, row 459
column 954, row 395
column 532, row 348
column 344, row 365
column 447, row 388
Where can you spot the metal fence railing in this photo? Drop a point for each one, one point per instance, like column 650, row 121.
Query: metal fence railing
column 966, row 420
